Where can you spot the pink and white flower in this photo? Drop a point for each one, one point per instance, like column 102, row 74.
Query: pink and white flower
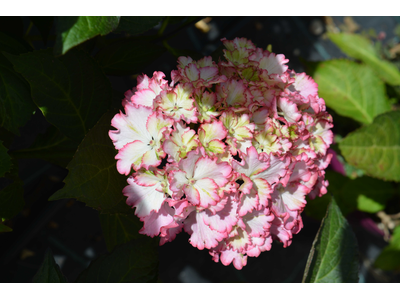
column 226, row 152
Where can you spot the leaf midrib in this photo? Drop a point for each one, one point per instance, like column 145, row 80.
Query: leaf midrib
column 345, row 94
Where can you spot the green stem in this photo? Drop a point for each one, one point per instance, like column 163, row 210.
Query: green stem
column 26, row 35
column 29, row 29
column 170, row 49
column 163, row 26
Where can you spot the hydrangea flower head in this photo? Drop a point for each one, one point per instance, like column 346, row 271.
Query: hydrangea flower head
column 226, row 152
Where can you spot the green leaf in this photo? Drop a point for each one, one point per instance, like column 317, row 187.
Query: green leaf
column 71, row 91
column 53, row 146
column 4, row 228
column 135, row 261
column 136, row 25
column 12, row 196
column 16, row 105
column 389, row 258
column 43, row 24
column 49, row 271
column 363, row 193
column 128, row 56
column 72, row 31
column 119, row 229
column 5, row 160
column 334, row 253
column 360, row 47
column 93, row 177
column 351, row 89
column 371, row 194
column 376, row 148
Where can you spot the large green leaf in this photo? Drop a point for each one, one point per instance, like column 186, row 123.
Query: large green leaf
column 136, row 25
column 93, row 177
column 389, row 259
column 376, row 148
column 351, row 89
column 72, row 31
column 71, row 91
column 135, row 261
column 334, row 253
column 128, row 56
column 359, row 47
column 364, row 193
column 119, row 229
column 52, row 146
column 5, row 160
column 16, row 105
column 12, row 196
column 49, row 271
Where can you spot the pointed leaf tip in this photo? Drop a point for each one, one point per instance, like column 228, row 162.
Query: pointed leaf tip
column 49, row 271
column 334, row 253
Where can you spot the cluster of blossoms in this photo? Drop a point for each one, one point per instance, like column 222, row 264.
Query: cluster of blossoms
column 227, row 152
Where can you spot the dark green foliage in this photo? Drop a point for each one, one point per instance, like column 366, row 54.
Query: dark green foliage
column 334, row 253
column 135, row 261
column 49, row 271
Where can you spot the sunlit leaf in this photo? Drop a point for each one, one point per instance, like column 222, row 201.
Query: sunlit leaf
column 351, row 89
column 360, row 47
column 376, row 148
column 72, row 31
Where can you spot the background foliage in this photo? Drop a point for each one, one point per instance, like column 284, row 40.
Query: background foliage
column 71, row 85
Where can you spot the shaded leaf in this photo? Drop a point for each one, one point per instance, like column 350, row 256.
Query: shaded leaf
column 4, row 228
column 71, row 31
column 53, row 146
column 71, row 91
column 334, row 253
column 93, row 177
column 376, row 148
column 43, row 24
column 128, row 56
column 136, row 25
column 351, row 89
column 5, row 160
column 360, row 47
column 16, row 105
column 10, row 45
column 119, row 229
column 135, row 261
column 49, row 271
column 12, row 195
column 363, row 193
column 389, row 258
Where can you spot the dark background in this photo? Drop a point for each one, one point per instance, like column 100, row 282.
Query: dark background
column 73, row 231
